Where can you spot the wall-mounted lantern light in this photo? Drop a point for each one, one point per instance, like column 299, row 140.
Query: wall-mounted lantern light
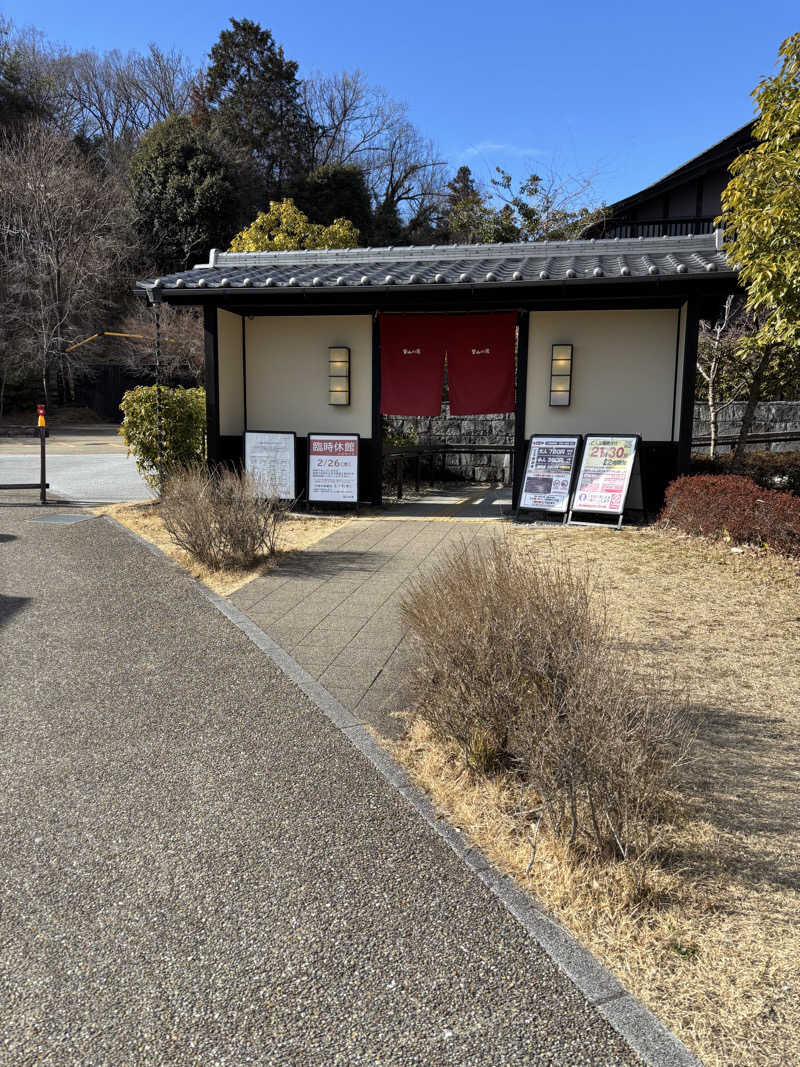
column 560, row 376
column 338, row 375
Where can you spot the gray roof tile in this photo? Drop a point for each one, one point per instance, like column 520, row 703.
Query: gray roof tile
column 542, row 263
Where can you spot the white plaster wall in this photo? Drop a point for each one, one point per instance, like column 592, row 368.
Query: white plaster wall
column 287, row 373
column 229, row 342
column 623, row 377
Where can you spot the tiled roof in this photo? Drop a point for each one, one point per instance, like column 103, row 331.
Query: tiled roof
column 540, row 264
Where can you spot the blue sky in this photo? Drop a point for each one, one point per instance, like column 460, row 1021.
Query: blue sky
column 624, row 91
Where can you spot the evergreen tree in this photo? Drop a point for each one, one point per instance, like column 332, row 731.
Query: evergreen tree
column 334, row 192
column 185, row 194
column 251, row 94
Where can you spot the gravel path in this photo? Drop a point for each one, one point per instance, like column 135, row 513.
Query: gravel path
column 198, row 868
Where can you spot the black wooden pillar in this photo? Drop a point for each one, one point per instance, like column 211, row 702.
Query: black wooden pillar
column 377, row 422
column 688, row 383
column 212, row 382
column 523, row 323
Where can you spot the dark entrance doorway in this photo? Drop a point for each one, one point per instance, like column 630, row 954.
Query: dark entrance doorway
column 448, row 399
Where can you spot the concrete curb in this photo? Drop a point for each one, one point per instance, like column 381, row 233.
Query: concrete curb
column 657, row 1045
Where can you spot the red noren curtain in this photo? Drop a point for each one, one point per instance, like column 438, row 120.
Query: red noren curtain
column 480, row 362
column 412, row 364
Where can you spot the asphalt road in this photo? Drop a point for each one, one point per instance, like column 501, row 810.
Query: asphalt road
column 198, row 868
column 103, row 477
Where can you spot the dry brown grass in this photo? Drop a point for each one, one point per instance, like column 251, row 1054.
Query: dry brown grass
column 713, row 943
column 296, row 533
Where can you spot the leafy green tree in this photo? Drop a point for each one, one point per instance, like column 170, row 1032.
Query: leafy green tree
column 334, row 192
column 550, row 208
column 285, row 228
column 252, row 95
column 183, row 421
column 184, row 191
column 470, row 218
column 761, row 205
column 761, row 216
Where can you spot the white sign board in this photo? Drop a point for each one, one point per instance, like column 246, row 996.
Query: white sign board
column 333, row 467
column 605, row 474
column 270, row 458
column 548, row 473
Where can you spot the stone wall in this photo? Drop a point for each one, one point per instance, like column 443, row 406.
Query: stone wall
column 773, row 416
column 463, row 429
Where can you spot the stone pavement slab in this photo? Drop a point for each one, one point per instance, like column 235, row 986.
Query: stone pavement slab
column 336, row 608
column 199, row 868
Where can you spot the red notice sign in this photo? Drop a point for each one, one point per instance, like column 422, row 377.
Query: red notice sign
column 333, row 467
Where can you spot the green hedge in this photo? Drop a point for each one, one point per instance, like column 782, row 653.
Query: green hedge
column 183, row 423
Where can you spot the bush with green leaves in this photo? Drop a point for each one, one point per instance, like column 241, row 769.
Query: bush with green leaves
column 183, row 422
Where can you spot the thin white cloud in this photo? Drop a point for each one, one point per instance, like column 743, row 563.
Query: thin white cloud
column 496, row 148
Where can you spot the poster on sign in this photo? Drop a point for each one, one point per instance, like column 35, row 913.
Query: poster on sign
column 333, row 467
column 547, row 480
column 269, row 457
column 605, row 474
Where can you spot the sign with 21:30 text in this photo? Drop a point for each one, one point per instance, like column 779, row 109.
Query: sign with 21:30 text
column 605, row 474
column 333, row 467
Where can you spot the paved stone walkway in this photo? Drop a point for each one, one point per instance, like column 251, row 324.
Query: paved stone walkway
column 335, row 608
column 198, row 868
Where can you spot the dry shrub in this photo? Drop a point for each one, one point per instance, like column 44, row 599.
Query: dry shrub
column 735, row 508
column 222, row 518
column 518, row 666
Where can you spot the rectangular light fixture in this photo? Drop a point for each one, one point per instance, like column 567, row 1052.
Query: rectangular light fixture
column 560, row 376
column 338, row 376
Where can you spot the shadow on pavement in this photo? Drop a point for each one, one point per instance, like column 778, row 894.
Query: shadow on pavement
column 10, row 605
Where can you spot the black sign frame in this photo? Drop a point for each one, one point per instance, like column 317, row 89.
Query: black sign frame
column 636, row 454
column 281, row 433
column 577, row 456
column 332, row 433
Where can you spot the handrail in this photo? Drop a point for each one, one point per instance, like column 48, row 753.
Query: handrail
column 752, row 438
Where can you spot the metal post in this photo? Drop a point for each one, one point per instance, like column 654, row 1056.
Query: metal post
column 43, row 472
column 159, row 442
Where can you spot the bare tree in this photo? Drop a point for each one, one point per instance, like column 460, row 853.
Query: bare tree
column 735, row 366
column 716, row 352
column 112, row 99
column 65, row 240
column 33, row 77
column 182, row 341
column 362, row 125
column 551, row 206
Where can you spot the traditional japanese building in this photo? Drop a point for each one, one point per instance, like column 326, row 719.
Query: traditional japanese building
column 593, row 336
column 685, row 201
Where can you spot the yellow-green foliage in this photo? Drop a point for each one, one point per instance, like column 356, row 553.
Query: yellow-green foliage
column 761, row 205
column 183, row 419
column 285, row 228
